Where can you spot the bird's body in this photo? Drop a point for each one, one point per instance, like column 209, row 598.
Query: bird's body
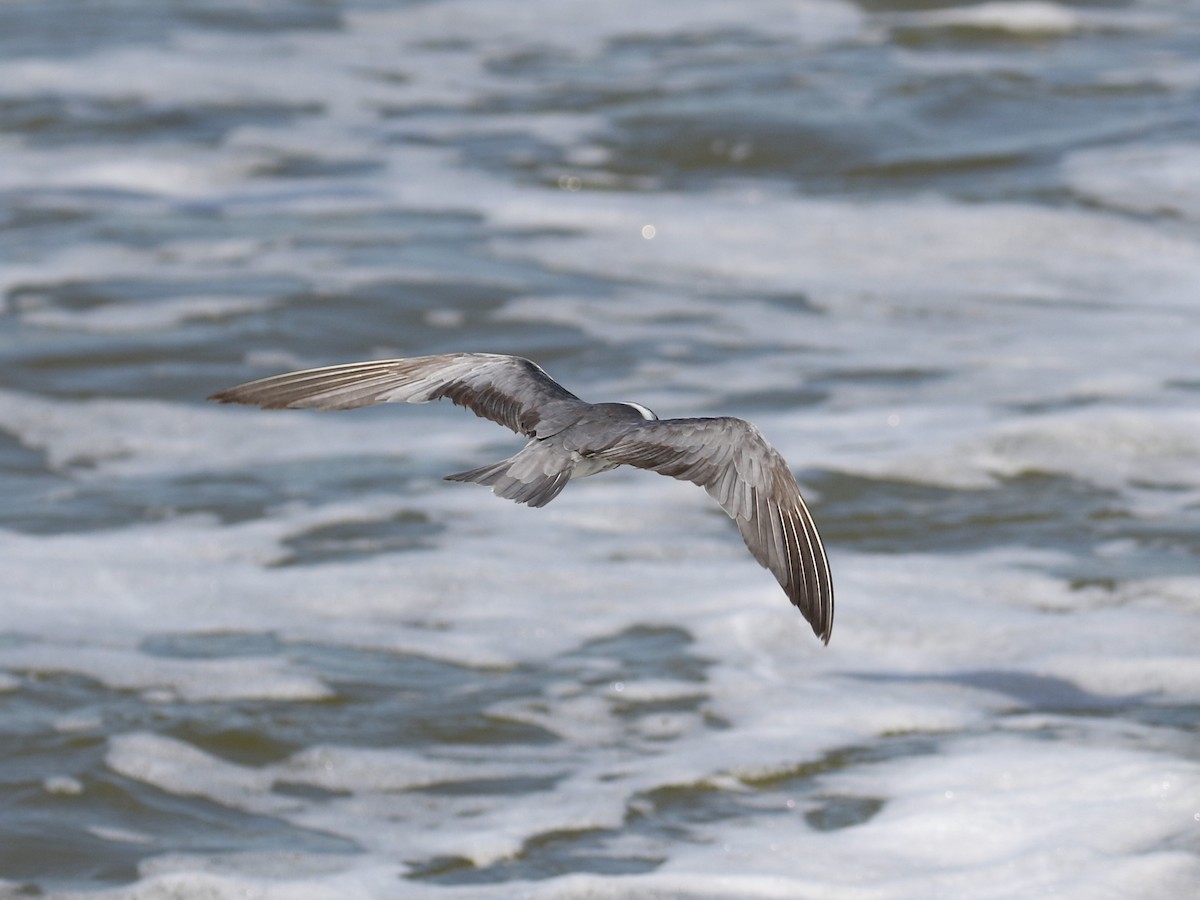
column 542, row 469
column 570, row 438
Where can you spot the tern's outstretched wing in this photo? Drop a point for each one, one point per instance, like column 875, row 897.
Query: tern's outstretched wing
column 731, row 460
column 510, row 390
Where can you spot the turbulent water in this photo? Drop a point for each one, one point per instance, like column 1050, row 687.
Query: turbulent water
column 946, row 256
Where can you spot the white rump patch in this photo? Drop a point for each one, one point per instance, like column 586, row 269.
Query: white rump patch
column 647, row 414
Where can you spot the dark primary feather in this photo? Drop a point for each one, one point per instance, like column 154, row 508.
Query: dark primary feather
column 731, row 460
column 509, row 390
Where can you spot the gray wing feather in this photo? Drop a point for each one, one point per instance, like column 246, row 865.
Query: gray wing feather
column 512, row 391
column 731, row 460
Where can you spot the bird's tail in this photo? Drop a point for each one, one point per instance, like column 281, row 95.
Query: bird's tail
column 523, row 477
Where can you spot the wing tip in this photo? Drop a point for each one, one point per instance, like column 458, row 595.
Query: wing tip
column 811, row 591
column 818, row 616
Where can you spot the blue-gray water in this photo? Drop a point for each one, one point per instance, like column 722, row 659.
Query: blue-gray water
column 946, row 256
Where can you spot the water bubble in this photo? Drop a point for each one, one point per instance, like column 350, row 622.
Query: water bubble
column 648, row 232
column 63, row 784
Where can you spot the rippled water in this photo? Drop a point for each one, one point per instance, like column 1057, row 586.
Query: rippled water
column 947, row 257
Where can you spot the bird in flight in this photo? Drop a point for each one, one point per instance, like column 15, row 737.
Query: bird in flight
column 571, row 438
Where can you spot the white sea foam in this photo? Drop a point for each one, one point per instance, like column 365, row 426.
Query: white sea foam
column 245, row 678
column 1010, row 807
column 903, row 622
column 1156, row 179
column 1018, row 16
column 136, row 438
column 584, row 27
column 160, row 315
column 1001, row 252
column 172, row 172
column 1034, row 19
column 63, row 785
column 1109, row 447
column 120, row 835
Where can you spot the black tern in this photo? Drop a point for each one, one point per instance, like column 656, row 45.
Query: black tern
column 570, row 438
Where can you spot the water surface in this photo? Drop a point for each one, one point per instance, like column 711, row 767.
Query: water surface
column 946, row 256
